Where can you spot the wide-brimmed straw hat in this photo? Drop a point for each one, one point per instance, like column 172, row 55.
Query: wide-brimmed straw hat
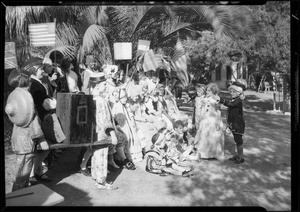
column 20, row 107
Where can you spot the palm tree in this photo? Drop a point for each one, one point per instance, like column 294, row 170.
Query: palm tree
column 234, row 22
column 78, row 28
column 85, row 30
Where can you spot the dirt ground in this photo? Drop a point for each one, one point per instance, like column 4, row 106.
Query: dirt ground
column 263, row 180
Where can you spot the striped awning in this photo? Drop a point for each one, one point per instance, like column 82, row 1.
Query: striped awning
column 42, row 34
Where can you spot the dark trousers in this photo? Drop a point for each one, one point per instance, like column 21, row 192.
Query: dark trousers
column 238, row 139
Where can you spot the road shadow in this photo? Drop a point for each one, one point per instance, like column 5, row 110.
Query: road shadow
column 72, row 195
column 64, row 166
column 263, row 180
column 113, row 173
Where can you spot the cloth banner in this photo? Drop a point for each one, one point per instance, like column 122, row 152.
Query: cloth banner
column 42, row 34
column 179, row 64
column 150, row 61
column 123, row 51
column 10, row 55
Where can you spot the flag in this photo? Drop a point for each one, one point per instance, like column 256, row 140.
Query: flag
column 42, row 34
column 143, row 45
column 163, row 63
column 10, row 55
column 150, row 61
column 179, row 63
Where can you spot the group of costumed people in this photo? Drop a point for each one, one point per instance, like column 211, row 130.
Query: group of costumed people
column 136, row 113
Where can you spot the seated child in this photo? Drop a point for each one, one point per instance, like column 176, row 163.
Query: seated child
column 160, row 161
column 184, row 142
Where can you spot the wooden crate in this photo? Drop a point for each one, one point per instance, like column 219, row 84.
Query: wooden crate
column 76, row 114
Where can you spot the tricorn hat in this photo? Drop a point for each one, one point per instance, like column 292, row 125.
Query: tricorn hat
column 35, row 61
column 20, row 107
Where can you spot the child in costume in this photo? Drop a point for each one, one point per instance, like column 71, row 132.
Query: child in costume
column 184, row 142
column 159, row 159
column 27, row 132
column 210, row 136
column 167, row 105
column 235, row 118
column 125, row 119
column 199, row 102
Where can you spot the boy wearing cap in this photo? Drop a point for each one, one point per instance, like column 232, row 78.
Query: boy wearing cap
column 235, row 119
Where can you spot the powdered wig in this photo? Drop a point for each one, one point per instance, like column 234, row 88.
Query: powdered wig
column 110, row 70
column 213, row 87
column 237, row 89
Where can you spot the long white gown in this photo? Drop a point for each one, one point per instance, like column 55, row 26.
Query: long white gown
column 210, row 135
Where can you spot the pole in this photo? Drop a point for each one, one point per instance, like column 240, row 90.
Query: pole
column 55, row 33
column 126, row 73
column 274, row 93
column 279, row 98
column 284, row 95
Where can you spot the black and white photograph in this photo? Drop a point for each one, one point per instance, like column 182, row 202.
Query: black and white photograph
column 190, row 104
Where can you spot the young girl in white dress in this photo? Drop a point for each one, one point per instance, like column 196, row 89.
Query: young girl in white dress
column 210, row 135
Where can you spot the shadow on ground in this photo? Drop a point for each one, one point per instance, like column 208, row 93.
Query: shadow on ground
column 72, row 195
column 263, row 180
column 70, row 183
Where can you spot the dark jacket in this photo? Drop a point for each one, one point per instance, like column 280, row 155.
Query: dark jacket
column 39, row 94
column 235, row 117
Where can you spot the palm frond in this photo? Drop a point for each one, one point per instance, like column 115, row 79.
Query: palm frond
column 172, row 26
column 96, row 15
column 92, row 35
column 140, row 16
column 66, row 33
column 104, row 50
column 80, row 54
column 235, row 22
